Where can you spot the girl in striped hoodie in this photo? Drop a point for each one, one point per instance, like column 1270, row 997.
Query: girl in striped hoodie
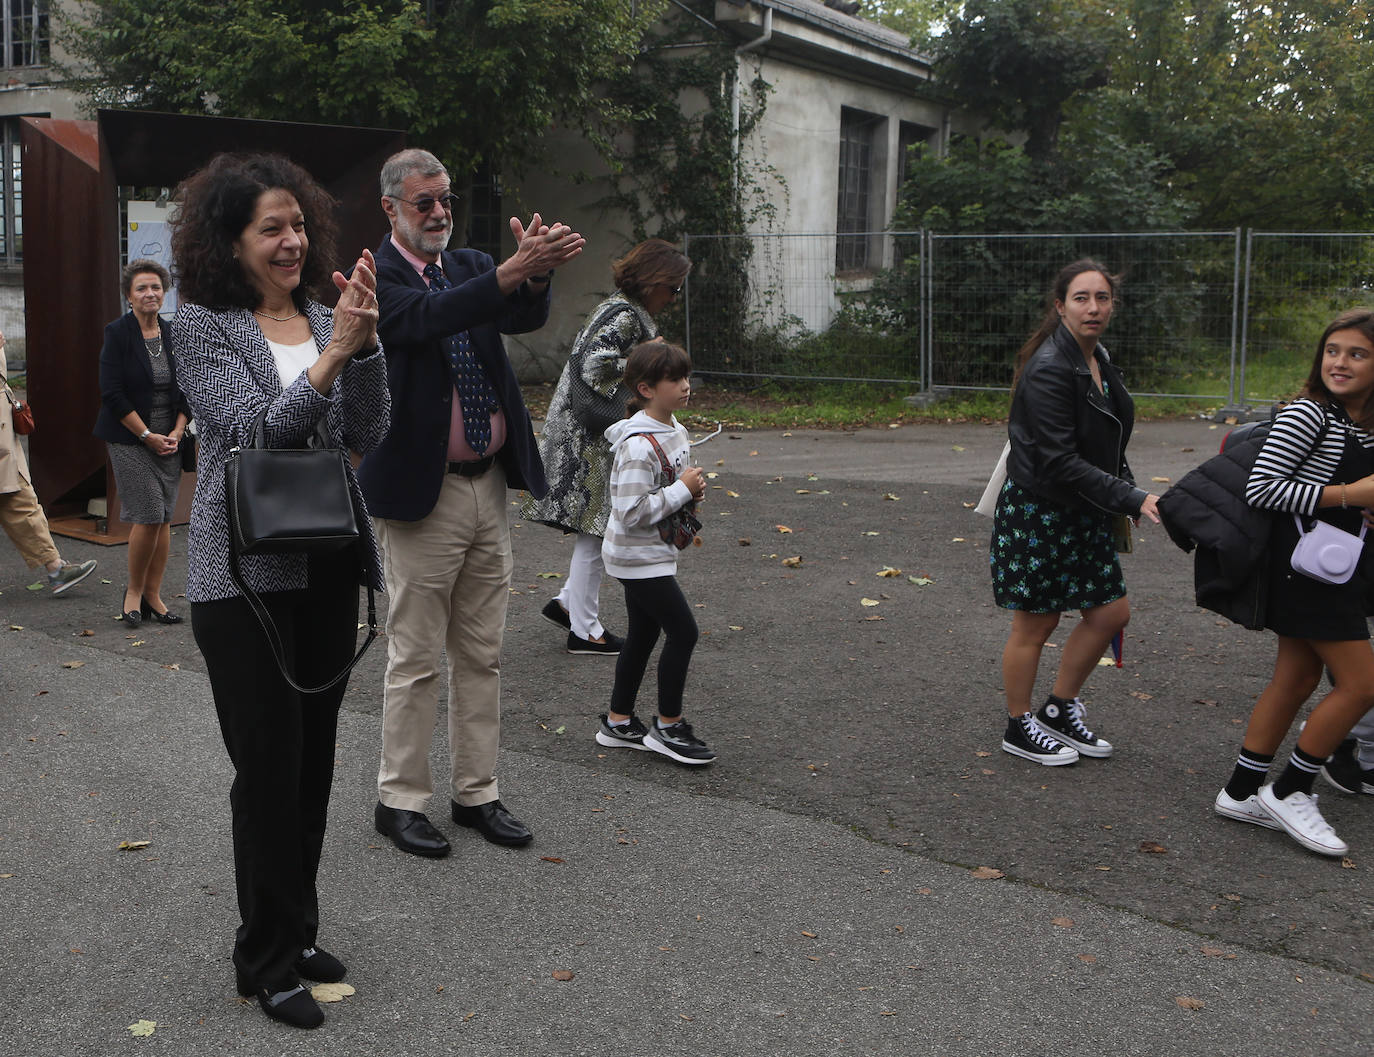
column 651, row 480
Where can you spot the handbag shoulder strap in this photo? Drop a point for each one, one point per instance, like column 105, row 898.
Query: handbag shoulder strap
column 662, row 459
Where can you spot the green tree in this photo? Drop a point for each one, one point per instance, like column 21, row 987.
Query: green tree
column 921, row 20
column 476, row 81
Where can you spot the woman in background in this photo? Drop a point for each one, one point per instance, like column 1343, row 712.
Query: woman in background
column 1053, row 545
column 143, row 416
column 577, row 458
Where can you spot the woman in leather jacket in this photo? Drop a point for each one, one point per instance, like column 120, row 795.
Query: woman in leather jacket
column 1053, row 545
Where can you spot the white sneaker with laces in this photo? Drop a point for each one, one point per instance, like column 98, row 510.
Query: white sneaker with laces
column 1298, row 815
column 1247, row 810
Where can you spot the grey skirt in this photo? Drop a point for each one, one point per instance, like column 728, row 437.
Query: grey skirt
column 147, row 483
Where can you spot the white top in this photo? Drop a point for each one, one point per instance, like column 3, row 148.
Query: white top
column 292, row 360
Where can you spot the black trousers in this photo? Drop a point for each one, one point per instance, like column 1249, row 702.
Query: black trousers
column 654, row 604
column 282, row 746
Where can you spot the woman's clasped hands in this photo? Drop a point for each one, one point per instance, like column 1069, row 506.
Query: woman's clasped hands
column 355, row 314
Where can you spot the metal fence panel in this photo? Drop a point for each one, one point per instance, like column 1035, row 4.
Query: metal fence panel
column 1171, row 333
column 1204, row 315
column 1295, row 283
column 777, row 306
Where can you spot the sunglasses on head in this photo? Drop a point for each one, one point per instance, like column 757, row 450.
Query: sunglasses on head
column 426, row 203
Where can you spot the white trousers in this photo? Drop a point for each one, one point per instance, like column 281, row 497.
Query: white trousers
column 580, row 594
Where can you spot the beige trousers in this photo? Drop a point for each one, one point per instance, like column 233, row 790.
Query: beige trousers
column 448, row 584
column 24, row 523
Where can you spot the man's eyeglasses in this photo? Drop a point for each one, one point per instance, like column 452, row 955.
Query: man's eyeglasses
column 425, row 204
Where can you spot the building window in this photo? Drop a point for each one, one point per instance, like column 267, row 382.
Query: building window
column 909, row 135
column 486, row 222
column 858, row 136
column 11, row 196
column 25, row 32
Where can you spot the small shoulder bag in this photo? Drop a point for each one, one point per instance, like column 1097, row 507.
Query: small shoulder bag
column 680, row 527
column 289, row 501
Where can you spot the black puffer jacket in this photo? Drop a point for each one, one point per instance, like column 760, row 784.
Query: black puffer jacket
column 1207, row 509
column 1068, row 441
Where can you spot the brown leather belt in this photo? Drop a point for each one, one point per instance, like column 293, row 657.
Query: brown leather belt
column 472, row 468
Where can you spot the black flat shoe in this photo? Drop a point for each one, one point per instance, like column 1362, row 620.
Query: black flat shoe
column 165, row 617
column 319, row 965
column 410, row 831
column 294, row 1006
column 493, row 821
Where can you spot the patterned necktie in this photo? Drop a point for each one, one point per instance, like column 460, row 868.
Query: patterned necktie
column 475, row 394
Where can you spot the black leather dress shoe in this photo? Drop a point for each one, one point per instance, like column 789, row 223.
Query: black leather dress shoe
column 410, row 831
column 165, row 617
column 493, row 821
column 316, row 963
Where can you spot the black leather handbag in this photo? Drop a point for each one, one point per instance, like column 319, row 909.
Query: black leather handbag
column 289, row 501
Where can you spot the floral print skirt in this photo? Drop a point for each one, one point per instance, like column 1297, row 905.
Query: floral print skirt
column 1047, row 558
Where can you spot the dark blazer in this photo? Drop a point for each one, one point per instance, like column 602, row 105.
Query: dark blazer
column 401, row 478
column 126, row 379
column 230, row 376
column 1068, row 441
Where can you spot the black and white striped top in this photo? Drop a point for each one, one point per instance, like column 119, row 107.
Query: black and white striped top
column 1290, row 473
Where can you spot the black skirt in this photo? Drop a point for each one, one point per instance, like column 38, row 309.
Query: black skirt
column 1303, row 608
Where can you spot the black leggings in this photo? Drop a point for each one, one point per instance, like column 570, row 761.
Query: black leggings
column 652, row 605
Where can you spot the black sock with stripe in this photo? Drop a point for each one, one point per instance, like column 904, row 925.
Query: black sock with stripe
column 1249, row 775
column 1298, row 776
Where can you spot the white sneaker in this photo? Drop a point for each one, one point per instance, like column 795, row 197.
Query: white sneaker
column 1298, row 815
column 1247, row 810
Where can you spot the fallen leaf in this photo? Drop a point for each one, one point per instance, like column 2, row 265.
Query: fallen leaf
column 1160, row 480
column 86, row 633
column 138, row 642
column 732, row 495
column 561, row 729
column 986, row 873
column 889, row 572
column 550, row 858
column 1231, row 897
column 783, row 529
column 550, row 576
column 803, row 491
column 142, row 1028
column 745, row 541
column 172, row 667
column 809, row 935
column 792, row 562
column 1152, row 848
column 332, row 992
column 956, row 447
column 133, row 845
column 1215, row 952
column 36, row 586
column 924, row 891
column 1184, row 1002
column 73, row 664
column 20, row 627
column 969, row 506
column 958, row 539
column 1348, row 863
column 787, row 434
column 736, row 627
column 1106, row 662
column 753, row 453
column 920, row 581
column 869, row 602
column 891, row 496
column 1089, row 958
column 711, row 475
column 870, row 533
column 1063, row 923
column 563, row 974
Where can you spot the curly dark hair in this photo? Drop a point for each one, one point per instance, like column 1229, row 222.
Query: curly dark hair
column 217, row 203
column 653, row 262
column 143, row 266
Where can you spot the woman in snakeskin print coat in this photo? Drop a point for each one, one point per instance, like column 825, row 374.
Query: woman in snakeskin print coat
column 588, row 399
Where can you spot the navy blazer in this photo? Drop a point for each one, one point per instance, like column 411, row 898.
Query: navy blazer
column 230, row 376
column 126, row 378
column 402, row 477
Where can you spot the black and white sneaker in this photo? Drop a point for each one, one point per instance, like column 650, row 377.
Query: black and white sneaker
column 1343, row 770
column 625, row 736
column 556, row 614
column 1065, row 723
column 1025, row 738
column 677, row 742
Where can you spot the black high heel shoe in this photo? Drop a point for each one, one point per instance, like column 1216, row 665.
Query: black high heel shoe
column 294, row 1006
column 134, row 617
column 166, row 617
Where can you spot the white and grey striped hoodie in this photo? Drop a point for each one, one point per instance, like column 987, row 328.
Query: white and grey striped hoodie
column 632, row 549
column 1292, row 468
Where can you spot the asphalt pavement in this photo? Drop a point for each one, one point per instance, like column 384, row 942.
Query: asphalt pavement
column 862, row 871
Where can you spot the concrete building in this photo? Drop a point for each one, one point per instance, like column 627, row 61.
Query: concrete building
column 848, row 97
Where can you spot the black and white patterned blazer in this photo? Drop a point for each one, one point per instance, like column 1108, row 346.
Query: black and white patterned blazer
column 228, row 374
